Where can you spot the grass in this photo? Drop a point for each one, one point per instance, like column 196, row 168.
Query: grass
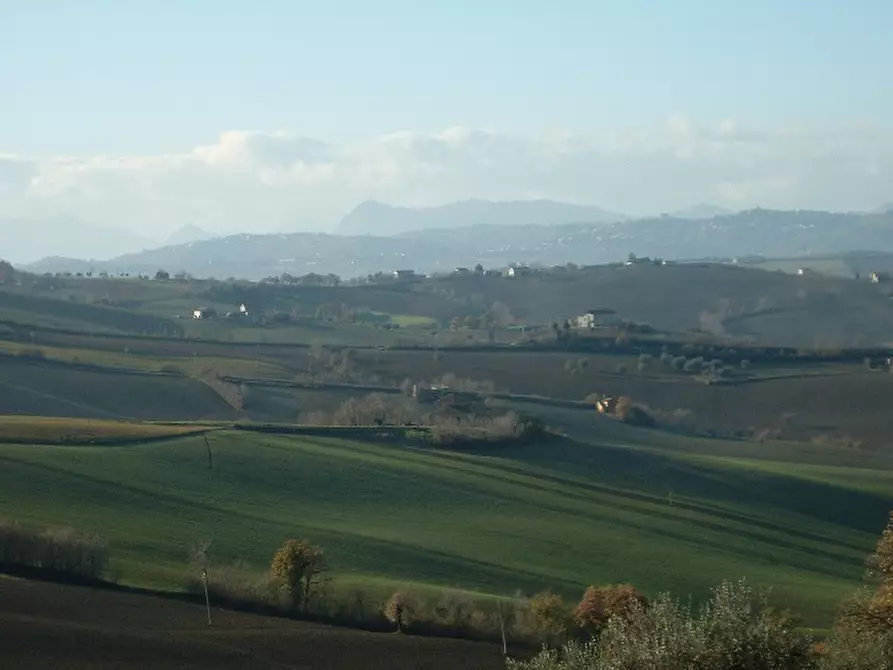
column 190, row 365
column 559, row 515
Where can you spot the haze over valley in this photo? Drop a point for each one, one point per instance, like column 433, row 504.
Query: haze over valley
column 505, row 336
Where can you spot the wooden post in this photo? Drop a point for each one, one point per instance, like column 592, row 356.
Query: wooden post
column 208, row 445
column 505, row 651
column 207, row 597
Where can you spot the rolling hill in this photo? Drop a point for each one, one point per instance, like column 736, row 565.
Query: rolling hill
column 377, row 218
column 623, row 505
column 767, row 233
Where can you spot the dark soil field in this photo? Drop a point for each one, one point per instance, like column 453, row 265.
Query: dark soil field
column 44, row 625
column 50, row 390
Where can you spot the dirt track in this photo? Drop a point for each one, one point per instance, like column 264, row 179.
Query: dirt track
column 64, row 627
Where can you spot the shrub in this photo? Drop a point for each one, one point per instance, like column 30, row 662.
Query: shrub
column 454, row 613
column 600, row 604
column 510, row 427
column 298, row 564
column 466, row 384
column 745, row 364
column 550, row 617
column 678, row 363
column 644, row 361
column 401, row 610
column 734, row 630
column 633, row 414
column 62, row 551
column 853, row 649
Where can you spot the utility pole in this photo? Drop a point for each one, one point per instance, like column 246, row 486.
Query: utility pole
column 207, row 597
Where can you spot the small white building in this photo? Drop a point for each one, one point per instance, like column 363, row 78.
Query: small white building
column 595, row 318
column 243, row 309
column 517, row 271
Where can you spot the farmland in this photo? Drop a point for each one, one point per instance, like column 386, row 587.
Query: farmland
column 65, row 627
column 119, row 416
column 482, row 522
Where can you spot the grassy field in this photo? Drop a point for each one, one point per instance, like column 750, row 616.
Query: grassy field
column 187, row 364
column 668, row 514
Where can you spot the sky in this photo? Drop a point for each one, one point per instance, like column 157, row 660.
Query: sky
column 284, row 115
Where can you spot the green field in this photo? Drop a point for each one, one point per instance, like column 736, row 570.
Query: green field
column 667, row 515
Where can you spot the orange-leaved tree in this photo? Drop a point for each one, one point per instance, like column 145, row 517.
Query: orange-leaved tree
column 601, row 603
column 299, row 565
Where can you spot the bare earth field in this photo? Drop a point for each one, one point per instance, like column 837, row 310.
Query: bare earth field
column 45, row 625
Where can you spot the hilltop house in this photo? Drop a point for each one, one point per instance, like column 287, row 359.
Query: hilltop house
column 518, row 271
column 878, row 277
column 204, row 313
column 403, row 274
column 595, row 318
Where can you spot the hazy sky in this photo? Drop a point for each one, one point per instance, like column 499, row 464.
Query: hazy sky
column 285, row 114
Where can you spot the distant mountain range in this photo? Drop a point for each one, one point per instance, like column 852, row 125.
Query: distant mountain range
column 375, row 218
column 187, row 234
column 770, row 233
column 701, row 211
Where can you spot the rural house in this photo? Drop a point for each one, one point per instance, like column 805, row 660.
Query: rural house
column 595, row 318
column 518, row 271
column 403, row 274
column 204, row 313
column 606, row 405
column 879, row 277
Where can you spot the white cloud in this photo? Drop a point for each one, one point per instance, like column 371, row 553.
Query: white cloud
column 259, row 181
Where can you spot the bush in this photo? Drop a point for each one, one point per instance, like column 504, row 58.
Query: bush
column 678, row 363
column 550, row 617
column 600, row 604
column 61, row 551
column 633, row 414
column 850, row 649
column 401, row 609
column 644, row 361
column 734, row 630
column 298, row 564
column 510, row 427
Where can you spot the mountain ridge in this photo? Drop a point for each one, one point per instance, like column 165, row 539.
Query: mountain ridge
column 756, row 232
column 373, row 216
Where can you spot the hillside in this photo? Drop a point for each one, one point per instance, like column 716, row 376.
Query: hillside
column 375, row 218
column 769, row 233
column 723, row 300
column 483, row 521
